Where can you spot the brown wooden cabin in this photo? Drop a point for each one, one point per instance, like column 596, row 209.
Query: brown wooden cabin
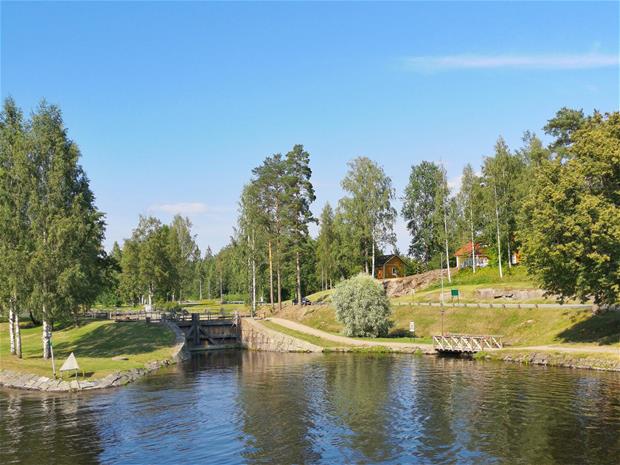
column 389, row 266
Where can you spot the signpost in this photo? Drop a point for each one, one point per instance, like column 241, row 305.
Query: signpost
column 455, row 293
column 412, row 328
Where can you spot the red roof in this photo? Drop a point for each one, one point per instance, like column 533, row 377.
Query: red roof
column 466, row 250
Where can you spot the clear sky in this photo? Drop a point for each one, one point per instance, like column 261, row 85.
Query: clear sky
column 172, row 104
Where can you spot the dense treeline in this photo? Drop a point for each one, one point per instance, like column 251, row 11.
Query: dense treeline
column 557, row 206
column 553, row 207
column 503, row 206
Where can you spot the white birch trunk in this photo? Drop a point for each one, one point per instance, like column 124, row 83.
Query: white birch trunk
column 47, row 336
column 473, row 243
column 499, row 246
column 11, row 328
column 18, row 336
column 445, row 229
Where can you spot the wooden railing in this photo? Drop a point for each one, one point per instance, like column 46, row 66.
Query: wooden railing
column 156, row 317
column 466, row 343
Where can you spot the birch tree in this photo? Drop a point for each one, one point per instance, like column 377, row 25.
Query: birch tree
column 15, row 233
column 67, row 228
column 368, row 208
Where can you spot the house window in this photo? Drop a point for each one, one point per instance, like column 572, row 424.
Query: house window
column 394, row 271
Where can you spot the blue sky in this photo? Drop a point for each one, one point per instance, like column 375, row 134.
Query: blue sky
column 172, row 104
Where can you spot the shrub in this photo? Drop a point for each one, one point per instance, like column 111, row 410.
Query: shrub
column 168, row 307
column 362, row 307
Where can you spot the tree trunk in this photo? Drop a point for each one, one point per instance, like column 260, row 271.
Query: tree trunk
column 445, row 229
column 253, row 287
column 473, row 244
column 18, row 336
column 279, row 287
column 373, row 257
column 509, row 254
column 298, row 269
column 499, row 246
column 33, row 320
column 47, row 335
column 11, row 328
column 221, row 287
column 271, row 278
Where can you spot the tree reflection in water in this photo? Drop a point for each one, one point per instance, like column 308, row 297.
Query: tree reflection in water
column 239, row 407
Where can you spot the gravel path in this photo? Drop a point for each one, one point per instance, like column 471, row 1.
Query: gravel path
column 398, row 346
column 428, row 348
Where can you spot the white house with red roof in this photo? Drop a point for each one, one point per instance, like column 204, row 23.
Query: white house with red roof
column 465, row 259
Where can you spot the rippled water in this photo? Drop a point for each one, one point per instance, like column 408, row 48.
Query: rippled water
column 248, row 407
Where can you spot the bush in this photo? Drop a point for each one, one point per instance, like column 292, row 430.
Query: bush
column 168, row 307
column 362, row 307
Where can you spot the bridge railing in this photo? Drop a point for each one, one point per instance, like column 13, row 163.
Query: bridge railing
column 466, row 342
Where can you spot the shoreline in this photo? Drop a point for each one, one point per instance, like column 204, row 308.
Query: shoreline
column 31, row 382
column 576, row 358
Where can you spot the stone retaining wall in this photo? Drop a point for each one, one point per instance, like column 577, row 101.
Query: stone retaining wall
column 33, row 382
column 255, row 336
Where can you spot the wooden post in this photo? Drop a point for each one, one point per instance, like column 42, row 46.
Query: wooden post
column 196, row 328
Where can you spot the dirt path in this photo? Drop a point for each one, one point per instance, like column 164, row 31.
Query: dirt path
column 398, row 346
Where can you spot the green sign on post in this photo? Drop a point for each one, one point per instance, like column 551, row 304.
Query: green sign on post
column 454, row 293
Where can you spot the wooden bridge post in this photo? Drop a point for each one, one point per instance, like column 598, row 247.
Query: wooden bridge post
column 196, row 328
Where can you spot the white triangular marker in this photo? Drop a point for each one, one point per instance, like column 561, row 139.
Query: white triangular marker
column 70, row 364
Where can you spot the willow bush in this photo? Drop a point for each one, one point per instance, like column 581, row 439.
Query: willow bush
column 362, row 307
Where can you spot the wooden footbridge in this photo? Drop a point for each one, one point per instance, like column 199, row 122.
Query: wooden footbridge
column 465, row 344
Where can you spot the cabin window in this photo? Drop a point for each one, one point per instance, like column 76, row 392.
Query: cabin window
column 394, row 271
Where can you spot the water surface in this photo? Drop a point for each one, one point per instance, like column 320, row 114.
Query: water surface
column 250, row 407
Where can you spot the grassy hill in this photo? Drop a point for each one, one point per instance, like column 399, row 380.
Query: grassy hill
column 520, row 327
column 469, row 285
column 94, row 344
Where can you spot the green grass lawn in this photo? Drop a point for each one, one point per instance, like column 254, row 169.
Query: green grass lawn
column 94, row 344
column 468, row 283
column 520, row 327
column 319, row 341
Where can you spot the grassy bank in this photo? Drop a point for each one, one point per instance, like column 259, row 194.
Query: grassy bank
column 318, row 341
column 520, row 327
column 94, row 344
column 549, row 357
column 469, row 284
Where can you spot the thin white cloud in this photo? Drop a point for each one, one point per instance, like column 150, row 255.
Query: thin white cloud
column 556, row 61
column 182, row 208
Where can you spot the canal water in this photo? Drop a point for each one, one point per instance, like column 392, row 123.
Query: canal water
column 266, row 408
